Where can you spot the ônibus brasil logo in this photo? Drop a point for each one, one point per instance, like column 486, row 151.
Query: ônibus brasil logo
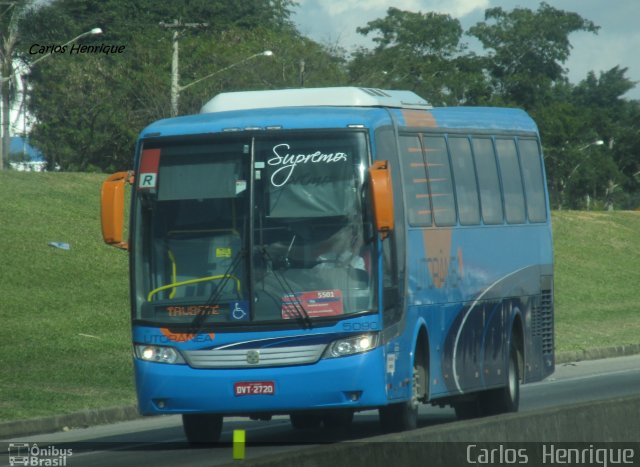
column 31, row 454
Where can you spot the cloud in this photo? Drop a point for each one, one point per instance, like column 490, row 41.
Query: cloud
column 336, row 20
column 617, row 42
column 336, row 8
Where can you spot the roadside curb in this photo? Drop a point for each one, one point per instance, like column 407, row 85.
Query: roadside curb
column 598, row 353
column 82, row 419
column 93, row 417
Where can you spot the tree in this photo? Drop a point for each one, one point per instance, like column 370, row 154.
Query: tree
column 616, row 121
column 10, row 14
column 89, row 108
column 592, row 141
column 527, row 50
column 421, row 52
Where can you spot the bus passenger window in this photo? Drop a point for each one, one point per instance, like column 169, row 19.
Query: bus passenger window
column 488, row 181
column 533, row 182
column 511, row 180
column 414, row 174
column 465, row 181
column 444, row 210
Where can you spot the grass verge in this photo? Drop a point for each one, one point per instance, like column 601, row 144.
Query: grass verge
column 64, row 337
column 597, row 272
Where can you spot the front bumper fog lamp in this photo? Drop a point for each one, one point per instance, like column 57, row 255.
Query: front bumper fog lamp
column 352, row 345
column 158, row 354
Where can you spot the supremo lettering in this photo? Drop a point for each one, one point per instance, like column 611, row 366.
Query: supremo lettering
column 286, row 163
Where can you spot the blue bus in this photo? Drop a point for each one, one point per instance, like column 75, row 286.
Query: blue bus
column 318, row 252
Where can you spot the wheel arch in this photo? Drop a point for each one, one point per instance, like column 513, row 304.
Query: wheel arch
column 421, row 355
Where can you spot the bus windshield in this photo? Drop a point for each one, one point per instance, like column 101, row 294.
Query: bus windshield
column 267, row 229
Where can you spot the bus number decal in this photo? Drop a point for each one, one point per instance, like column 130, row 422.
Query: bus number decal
column 365, row 326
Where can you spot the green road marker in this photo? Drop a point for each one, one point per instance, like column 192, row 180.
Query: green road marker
column 239, row 437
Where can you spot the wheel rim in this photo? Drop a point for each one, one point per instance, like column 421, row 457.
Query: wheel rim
column 513, row 380
column 415, row 391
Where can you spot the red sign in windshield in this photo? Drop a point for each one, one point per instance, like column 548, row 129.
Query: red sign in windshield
column 317, row 303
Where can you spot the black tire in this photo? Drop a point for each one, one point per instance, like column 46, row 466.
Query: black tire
column 398, row 417
column 306, row 420
column 202, row 429
column 338, row 419
column 467, row 409
column 403, row 416
column 507, row 398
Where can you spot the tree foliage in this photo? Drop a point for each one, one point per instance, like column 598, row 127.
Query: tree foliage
column 421, row 52
column 527, row 49
column 90, row 108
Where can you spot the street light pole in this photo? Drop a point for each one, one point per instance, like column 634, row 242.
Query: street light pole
column 93, row 32
column 175, row 76
column 177, row 26
column 176, row 89
column 266, row 53
column 597, row 142
column 5, row 83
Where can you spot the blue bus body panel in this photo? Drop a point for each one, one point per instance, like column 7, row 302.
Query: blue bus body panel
column 339, row 117
column 281, row 118
column 468, row 284
column 327, row 383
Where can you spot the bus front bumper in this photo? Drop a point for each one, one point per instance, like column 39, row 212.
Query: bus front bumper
column 356, row 382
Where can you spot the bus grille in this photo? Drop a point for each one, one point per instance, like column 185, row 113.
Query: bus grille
column 254, row 358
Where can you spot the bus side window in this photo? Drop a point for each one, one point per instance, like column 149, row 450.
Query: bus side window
column 531, row 163
column 511, row 180
column 442, row 200
column 488, row 181
column 414, row 178
column 465, row 180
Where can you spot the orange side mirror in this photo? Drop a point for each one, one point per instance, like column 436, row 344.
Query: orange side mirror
column 382, row 196
column 112, row 208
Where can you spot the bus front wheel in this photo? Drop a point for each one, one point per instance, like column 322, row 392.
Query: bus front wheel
column 403, row 416
column 339, row 419
column 306, row 420
column 202, row 428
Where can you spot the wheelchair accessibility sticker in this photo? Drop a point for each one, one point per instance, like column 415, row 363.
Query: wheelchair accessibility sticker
column 240, row 310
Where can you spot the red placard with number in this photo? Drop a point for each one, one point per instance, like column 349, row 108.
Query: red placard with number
column 317, row 303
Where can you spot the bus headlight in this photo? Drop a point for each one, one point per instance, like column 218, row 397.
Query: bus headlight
column 158, row 354
column 352, row 345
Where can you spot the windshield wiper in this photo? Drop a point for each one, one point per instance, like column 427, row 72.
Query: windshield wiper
column 301, row 314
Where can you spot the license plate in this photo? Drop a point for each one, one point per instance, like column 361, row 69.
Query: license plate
column 254, row 388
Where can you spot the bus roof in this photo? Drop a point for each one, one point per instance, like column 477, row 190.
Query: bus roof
column 323, row 108
column 313, row 97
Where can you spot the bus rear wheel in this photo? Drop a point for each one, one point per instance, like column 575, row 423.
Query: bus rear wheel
column 202, row 429
column 505, row 399
column 468, row 408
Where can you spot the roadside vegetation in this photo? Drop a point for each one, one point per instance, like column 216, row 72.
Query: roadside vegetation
column 87, row 109
column 65, row 339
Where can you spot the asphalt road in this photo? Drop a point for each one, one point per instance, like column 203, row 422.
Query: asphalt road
column 160, row 440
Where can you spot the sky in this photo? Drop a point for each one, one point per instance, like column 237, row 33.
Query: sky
column 617, row 43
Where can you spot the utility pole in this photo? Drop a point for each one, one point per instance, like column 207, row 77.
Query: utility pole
column 178, row 27
column 9, row 38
